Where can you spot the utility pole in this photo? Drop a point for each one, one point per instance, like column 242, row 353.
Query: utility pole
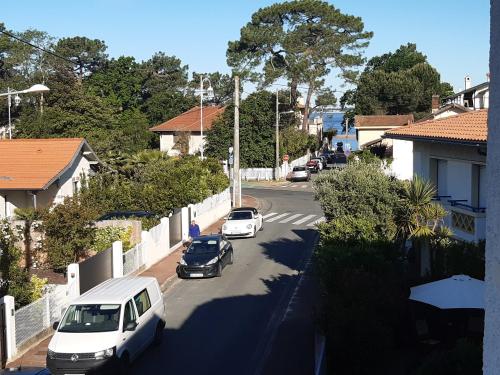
column 277, row 170
column 201, row 116
column 236, row 145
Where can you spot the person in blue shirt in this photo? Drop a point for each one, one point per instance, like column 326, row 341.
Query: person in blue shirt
column 194, row 230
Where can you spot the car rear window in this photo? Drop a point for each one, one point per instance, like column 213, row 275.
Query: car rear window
column 299, row 169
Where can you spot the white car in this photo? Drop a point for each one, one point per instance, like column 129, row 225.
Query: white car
column 243, row 222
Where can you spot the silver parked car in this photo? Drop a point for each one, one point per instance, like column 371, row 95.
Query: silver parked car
column 300, row 174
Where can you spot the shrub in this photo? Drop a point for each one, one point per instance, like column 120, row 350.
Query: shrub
column 104, row 238
column 15, row 280
column 360, row 194
column 457, row 257
column 69, row 232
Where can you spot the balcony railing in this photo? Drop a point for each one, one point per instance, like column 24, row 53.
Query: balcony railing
column 459, row 203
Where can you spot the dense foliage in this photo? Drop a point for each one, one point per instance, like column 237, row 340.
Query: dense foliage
column 399, row 82
column 15, row 280
column 257, row 133
column 364, row 268
column 105, row 236
column 69, row 232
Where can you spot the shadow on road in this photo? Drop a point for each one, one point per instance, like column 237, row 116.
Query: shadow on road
column 223, row 336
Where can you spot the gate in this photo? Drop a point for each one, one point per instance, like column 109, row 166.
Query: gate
column 3, row 336
column 175, row 227
column 96, row 269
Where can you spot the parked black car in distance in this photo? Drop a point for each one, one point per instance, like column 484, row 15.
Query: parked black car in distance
column 206, row 256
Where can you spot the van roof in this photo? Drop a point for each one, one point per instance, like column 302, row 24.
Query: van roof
column 114, row 291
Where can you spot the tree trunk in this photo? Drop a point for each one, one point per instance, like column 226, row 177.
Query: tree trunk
column 27, row 244
column 293, row 93
column 305, row 120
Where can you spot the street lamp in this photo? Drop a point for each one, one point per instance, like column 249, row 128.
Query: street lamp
column 17, row 100
column 210, row 94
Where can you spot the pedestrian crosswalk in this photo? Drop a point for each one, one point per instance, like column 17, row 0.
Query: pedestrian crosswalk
column 296, row 186
column 309, row 220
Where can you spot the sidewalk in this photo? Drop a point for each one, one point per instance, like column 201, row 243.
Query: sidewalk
column 164, row 271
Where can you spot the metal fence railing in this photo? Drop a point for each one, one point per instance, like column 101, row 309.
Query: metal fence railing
column 34, row 318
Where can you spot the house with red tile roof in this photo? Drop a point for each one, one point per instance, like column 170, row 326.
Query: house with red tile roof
column 42, row 172
column 450, row 152
column 183, row 134
column 369, row 129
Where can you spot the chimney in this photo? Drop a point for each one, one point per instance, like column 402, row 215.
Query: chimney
column 468, row 82
column 435, row 103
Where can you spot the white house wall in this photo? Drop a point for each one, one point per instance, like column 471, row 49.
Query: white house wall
column 166, row 142
column 402, row 164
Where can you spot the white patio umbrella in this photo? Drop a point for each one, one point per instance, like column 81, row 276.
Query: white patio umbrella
column 456, row 292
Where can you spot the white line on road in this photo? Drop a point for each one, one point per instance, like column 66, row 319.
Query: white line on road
column 320, row 220
column 304, row 219
column 277, row 217
column 293, row 185
column 304, row 186
column 290, row 218
column 269, row 215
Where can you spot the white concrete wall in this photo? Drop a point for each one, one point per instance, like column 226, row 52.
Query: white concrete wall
column 402, row 165
column 368, row 135
column 491, row 342
column 195, row 142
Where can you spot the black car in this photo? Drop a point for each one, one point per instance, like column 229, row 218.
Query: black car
column 206, row 256
column 116, row 215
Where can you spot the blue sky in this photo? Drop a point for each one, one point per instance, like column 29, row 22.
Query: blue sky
column 454, row 34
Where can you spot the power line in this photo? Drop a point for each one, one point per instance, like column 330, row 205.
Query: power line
column 37, row 47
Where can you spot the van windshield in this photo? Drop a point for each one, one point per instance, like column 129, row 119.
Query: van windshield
column 91, row 318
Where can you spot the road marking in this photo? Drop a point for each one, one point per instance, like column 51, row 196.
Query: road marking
column 294, row 186
column 304, row 219
column 304, row 186
column 290, row 218
column 320, row 220
column 278, row 217
column 269, row 215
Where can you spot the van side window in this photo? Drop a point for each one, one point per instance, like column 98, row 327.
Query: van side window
column 142, row 302
column 129, row 313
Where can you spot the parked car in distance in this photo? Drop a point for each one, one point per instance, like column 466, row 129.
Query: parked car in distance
column 117, row 215
column 320, row 162
column 106, row 328
column 243, row 222
column 300, row 174
column 313, row 166
column 206, row 256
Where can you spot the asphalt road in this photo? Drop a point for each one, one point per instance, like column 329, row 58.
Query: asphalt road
column 257, row 317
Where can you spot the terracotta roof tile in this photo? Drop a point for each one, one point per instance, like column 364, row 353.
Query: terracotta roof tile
column 31, row 164
column 469, row 126
column 190, row 120
column 382, row 120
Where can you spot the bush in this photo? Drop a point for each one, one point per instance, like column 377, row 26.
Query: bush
column 457, row 257
column 363, row 195
column 15, row 280
column 69, row 232
column 104, row 238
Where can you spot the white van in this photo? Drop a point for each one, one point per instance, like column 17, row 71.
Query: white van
column 106, row 328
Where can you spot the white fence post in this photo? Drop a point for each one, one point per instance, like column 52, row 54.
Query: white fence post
column 165, row 232
column 10, row 326
column 117, row 259
column 73, row 280
column 185, row 223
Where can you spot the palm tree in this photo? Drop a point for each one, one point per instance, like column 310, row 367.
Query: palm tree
column 419, row 218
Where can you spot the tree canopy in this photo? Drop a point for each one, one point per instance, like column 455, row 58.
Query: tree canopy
column 301, row 41
column 399, row 82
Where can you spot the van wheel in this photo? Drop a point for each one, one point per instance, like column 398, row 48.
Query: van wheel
column 125, row 364
column 158, row 334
